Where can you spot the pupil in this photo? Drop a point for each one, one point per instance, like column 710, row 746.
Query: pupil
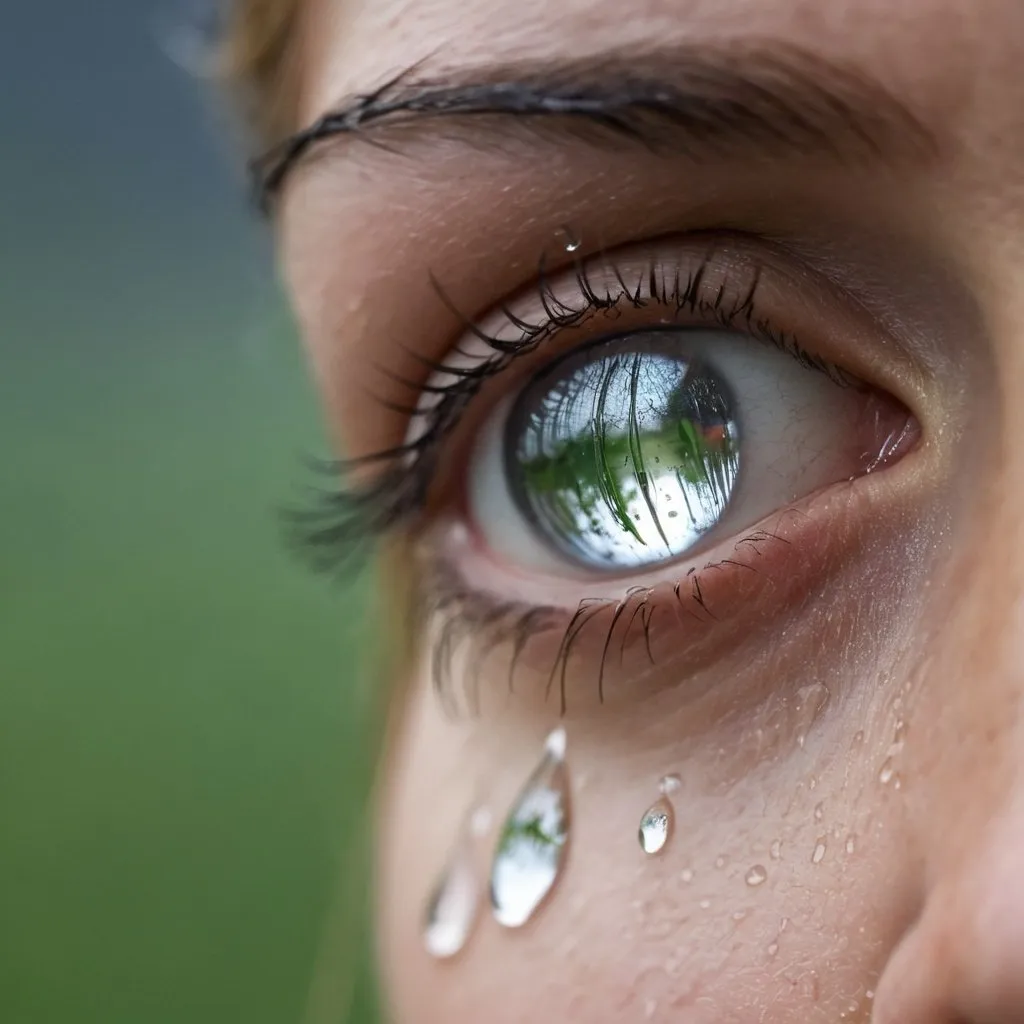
column 625, row 453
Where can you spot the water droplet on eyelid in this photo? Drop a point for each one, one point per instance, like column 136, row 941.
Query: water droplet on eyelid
column 454, row 903
column 757, row 875
column 656, row 826
column 571, row 242
column 886, row 772
column 534, row 839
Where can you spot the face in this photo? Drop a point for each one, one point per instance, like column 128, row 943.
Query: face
column 683, row 344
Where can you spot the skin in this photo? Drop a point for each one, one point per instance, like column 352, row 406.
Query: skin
column 867, row 699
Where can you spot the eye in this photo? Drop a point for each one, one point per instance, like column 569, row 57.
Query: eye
column 644, row 447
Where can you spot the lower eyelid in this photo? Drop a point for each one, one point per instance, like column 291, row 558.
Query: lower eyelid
column 728, row 607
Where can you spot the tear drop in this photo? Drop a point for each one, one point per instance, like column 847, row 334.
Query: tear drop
column 534, row 839
column 454, row 904
column 669, row 784
column 757, row 875
column 656, row 826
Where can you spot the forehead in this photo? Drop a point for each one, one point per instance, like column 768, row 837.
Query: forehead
column 944, row 58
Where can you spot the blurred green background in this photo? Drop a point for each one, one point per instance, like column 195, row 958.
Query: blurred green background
column 180, row 738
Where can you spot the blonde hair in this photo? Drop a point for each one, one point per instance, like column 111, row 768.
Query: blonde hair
column 259, row 57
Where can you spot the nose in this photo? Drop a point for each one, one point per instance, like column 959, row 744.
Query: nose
column 963, row 960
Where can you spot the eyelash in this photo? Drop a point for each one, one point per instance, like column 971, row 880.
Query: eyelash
column 334, row 530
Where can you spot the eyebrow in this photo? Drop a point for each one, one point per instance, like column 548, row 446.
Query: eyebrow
column 702, row 102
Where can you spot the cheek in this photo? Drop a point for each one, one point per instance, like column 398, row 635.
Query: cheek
column 762, row 906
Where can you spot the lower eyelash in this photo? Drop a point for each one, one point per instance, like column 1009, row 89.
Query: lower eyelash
column 465, row 627
column 333, row 529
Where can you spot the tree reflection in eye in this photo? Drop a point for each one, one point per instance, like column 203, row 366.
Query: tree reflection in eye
column 623, row 459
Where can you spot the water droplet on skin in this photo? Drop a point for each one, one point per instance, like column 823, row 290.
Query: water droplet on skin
column 819, row 812
column 776, row 850
column 858, row 738
column 719, row 863
column 705, row 904
column 813, row 784
column 534, row 839
column 687, row 876
column 886, row 772
column 756, row 875
column 869, row 995
column 851, row 844
column 773, row 949
column 739, row 915
column 819, row 852
column 669, row 784
column 656, row 826
column 454, row 904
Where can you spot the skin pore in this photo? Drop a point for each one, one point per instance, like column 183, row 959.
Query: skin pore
column 846, row 716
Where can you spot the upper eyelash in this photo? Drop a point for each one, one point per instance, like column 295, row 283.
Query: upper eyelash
column 334, row 528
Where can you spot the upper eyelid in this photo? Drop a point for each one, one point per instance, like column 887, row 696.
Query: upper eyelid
column 343, row 520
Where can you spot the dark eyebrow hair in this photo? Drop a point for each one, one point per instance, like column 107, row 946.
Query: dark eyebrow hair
column 698, row 101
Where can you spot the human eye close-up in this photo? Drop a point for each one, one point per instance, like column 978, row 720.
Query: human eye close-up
column 606, row 604
column 671, row 363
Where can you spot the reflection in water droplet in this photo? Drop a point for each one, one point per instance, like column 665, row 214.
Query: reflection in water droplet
column 453, row 905
column 757, row 875
column 819, row 852
column 886, row 772
column 570, row 241
column 669, row 784
column 656, row 826
column 533, row 844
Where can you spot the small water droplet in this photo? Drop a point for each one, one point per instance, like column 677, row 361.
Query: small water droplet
column 869, row 995
column 756, row 875
column 783, row 924
column 773, row 949
column 570, row 240
column 813, row 784
column 656, row 826
column 455, row 900
column 534, row 839
column 886, row 772
column 858, row 738
column 851, row 844
column 739, row 915
column 669, row 784
column 719, row 862
column 776, row 850
column 819, row 852
column 705, row 904
column 819, row 812
column 687, row 875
